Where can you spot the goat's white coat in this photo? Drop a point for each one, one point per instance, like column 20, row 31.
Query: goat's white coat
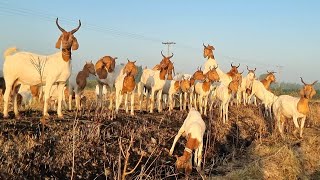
column 286, row 106
column 110, row 81
column 18, row 69
column 211, row 63
column 150, row 79
column 195, row 126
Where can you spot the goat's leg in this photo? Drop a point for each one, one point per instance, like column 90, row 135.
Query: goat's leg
column 199, row 155
column 111, row 99
column 152, row 100
column 99, row 100
column 227, row 111
column 60, row 94
column 6, row 96
column 205, row 105
column 15, row 102
column 132, row 103
column 126, row 103
column 180, row 132
column 295, row 121
column 180, row 98
column 120, row 96
column 77, row 97
column 160, row 100
column 302, row 125
column 47, row 91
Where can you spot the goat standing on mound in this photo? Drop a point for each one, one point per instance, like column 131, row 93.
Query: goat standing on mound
column 78, row 82
column 291, row 107
column 19, row 68
column 193, row 129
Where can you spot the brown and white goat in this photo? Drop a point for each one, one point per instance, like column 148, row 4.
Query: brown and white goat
column 78, row 82
column 291, row 107
column 192, row 129
column 125, row 85
column 204, row 88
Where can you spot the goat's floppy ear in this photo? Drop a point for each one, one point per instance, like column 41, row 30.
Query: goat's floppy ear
column 302, row 93
column 75, row 44
column 58, row 44
column 313, row 92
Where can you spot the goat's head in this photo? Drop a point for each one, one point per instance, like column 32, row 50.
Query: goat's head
column 130, row 68
column 198, row 75
column 270, row 76
column 234, row 69
column 212, row 74
column 307, row 91
column 251, row 73
column 165, row 62
column 208, row 51
column 110, row 63
column 90, row 67
column 68, row 41
column 185, row 85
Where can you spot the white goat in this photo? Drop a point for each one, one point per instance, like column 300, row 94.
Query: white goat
column 192, row 129
column 291, row 107
column 32, row 69
column 267, row 97
column 246, row 84
column 224, row 94
column 171, row 88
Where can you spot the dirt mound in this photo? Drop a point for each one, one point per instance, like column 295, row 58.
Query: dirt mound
column 91, row 146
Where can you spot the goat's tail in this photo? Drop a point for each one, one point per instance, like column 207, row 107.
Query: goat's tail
column 9, row 51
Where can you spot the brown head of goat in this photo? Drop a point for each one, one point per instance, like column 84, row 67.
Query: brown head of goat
column 306, row 93
column 208, row 51
column 68, row 41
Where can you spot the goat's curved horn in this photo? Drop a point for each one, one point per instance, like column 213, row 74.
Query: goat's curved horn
column 204, row 45
column 238, row 65
column 241, row 72
column 61, row 29
column 268, row 72
column 128, row 60
column 303, row 81
column 170, row 56
column 254, row 69
column 314, row 82
column 231, row 64
column 163, row 55
column 115, row 58
column 248, row 68
column 76, row 29
column 215, row 67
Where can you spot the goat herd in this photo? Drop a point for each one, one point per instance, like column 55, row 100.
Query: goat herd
column 202, row 90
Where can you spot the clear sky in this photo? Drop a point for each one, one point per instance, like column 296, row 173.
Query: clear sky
column 262, row 34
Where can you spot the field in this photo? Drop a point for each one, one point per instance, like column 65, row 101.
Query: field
column 92, row 145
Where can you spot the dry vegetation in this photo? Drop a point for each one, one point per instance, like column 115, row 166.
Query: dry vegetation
column 91, row 145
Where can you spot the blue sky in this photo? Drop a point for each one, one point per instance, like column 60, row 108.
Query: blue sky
column 262, row 34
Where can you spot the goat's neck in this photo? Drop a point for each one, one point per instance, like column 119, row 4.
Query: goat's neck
column 86, row 71
column 162, row 74
column 266, row 82
column 303, row 105
column 66, row 54
column 210, row 56
column 224, row 78
column 233, row 86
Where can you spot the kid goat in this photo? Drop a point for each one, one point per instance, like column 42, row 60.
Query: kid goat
column 291, row 107
column 192, row 129
column 18, row 68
